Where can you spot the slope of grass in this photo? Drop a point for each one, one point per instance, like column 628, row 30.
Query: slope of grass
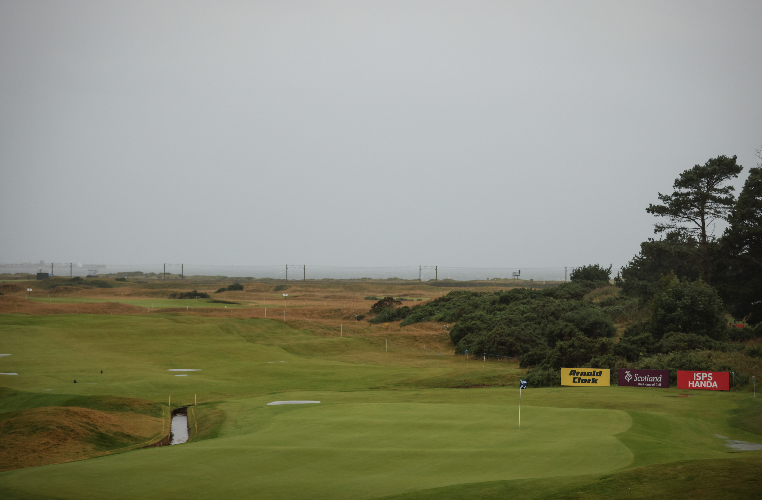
column 382, row 428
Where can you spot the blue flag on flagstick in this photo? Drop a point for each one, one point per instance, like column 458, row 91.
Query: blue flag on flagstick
column 523, row 384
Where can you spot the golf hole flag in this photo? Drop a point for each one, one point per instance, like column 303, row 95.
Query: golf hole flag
column 522, row 385
column 586, row 377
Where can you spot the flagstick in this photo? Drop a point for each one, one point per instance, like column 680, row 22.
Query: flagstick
column 519, row 407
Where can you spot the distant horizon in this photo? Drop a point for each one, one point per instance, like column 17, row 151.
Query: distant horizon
column 477, row 133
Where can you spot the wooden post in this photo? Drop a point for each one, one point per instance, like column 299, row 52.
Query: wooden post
column 194, row 400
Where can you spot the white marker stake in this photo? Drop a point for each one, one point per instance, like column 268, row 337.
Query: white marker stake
column 284, row 316
column 519, row 406
column 265, row 312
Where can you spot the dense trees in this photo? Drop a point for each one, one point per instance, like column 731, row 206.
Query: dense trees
column 701, row 196
column 672, row 317
column 689, row 307
column 674, row 253
column 741, row 251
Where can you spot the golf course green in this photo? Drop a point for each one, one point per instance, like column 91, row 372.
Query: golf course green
column 400, row 423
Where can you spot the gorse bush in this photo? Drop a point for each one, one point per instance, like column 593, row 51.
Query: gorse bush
column 690, row 307
column 189, row 295
column 385, row 303
column 235, row 287
column 593, row 272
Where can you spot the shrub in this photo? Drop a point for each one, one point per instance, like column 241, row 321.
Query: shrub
column 385, row 303
column 741, row 334
column 543, row 377
column 391, row 314
column 593, row 272
column 754, row 352
column 189, row 295
column 591, row 321
column 690, row 307
column 280, row 288
column 678, row 341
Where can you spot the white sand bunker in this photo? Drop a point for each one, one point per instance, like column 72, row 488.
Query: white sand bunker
column 1, row 355
column 740, row 445
column 291, row 402
column 185, row 369
column 183, row 375
column 8, row 373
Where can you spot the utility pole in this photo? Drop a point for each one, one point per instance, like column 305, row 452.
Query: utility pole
column 419, row 273
column 165, row 271
column 182, row 271
column 51, row 269
column 436, row 274
column 564, row 274
column 71, row 269
column 286, row 272
column 304, row 268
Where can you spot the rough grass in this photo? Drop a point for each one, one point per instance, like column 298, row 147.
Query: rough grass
column 55, row 434
column 390, row 423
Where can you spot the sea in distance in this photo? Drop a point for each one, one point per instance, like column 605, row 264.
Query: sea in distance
column 297, row 272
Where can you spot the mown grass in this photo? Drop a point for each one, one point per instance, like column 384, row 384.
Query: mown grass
column 389, row 423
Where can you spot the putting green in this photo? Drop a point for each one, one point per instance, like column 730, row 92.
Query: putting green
column 351, row 450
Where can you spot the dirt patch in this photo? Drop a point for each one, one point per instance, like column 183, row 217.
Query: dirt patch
column 56, row 434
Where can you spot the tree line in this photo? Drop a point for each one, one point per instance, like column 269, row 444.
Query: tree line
column 668, row 308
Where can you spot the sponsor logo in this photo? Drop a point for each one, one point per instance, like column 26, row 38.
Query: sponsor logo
column 713, row 381
column 643, row 378
column 584, row 376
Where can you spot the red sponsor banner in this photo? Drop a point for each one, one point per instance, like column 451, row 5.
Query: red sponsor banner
column 712, row 381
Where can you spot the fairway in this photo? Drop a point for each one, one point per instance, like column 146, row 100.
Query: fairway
column 394, row 422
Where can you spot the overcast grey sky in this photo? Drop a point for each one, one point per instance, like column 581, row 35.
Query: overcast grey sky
column 384, row 133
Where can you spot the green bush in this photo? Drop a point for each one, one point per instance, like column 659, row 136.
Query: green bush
column 678, row 341
column 385, row 303
column 543, row 377
column 189, row 295
column 593, row 272
column 390, row 314
column 690, row 307
column 280, row 288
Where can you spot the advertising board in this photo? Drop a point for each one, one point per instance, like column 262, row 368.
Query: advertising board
column 643, row 378
column 712, row 381
column 585, row 377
